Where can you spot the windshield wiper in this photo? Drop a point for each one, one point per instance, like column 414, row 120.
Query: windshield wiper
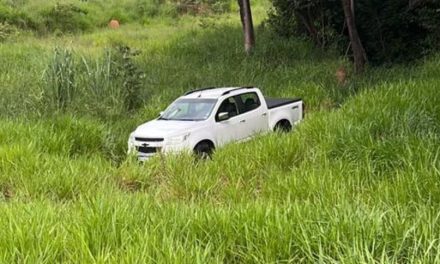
column 162, row 118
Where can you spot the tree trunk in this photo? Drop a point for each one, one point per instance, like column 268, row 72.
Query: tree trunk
column 359, row 55
column 248, row 27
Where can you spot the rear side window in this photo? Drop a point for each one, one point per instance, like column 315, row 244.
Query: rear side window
column 249, row 102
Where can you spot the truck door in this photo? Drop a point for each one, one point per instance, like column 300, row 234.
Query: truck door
column 231, row 129
column 255, row 116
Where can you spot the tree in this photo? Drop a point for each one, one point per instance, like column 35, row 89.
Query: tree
column 391, row 31
column 359, row 55
column 248, row 26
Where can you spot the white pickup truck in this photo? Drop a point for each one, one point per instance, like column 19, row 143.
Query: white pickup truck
column 205, row 119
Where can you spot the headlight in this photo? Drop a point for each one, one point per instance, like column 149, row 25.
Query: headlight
column 131, row 143
column 178, row 139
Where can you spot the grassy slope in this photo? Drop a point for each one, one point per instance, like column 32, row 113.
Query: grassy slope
column 354, row 183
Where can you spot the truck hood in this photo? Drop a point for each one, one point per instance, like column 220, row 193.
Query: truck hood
column 166, row 128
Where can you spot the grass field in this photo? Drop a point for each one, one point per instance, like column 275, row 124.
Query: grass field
column 356, row 182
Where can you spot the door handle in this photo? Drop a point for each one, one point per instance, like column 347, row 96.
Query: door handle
column 243, row 121
column 264, row 114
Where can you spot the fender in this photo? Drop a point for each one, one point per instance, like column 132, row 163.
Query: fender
column 201, row 135
column 277, row 118
column 286, row 113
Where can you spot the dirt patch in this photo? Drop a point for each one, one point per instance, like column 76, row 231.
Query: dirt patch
column 6, row 192
column 130, row 185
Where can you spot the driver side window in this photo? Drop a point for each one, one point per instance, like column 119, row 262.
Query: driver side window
column 229, row 106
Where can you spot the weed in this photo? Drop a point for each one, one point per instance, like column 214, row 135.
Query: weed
column 129, row 75
column 59, row 77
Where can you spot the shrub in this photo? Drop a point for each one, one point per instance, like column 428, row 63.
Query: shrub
column 66, row 18
column 17, row 18
column 126, row 72
column 113, row 82
column 390, row 30
column 6, row 31
column 109, row 85
column 120, row 15
column 195, row 7
column 149, row 8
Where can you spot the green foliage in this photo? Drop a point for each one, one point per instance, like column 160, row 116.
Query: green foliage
column 391, row 31
column 60, row 79
column 336, row 189
column 6, row 31
column 16, row 17
column 356, row 182
column 396, row 31
column 128, row 75
column 202, row 6
column 66, row 18
column 111, row 82
column 149, row 8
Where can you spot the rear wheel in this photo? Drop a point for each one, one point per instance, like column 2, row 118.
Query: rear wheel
column 204, row 150
column 283, row 126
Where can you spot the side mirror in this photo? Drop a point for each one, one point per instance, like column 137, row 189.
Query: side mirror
column 223, row 116
column 161, row 113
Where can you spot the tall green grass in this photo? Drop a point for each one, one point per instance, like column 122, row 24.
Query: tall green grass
column 356, row 182
column 73, row 16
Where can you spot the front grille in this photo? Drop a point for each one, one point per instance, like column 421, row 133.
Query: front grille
column 148, row 139
column 148, row 150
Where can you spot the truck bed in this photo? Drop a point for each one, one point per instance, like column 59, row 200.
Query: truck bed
column 277, row 102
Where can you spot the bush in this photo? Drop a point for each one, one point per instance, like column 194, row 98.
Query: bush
column 195, row 7
column 106, row 86
column 149, row 8
column 113, row 82
column 17, row 18
column 66, row 18
column 128, row 74
column 82, row 16
column 391, row 31
column 6, row 31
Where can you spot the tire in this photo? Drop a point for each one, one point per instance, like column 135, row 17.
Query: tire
column 204, row 150
column 283, row 126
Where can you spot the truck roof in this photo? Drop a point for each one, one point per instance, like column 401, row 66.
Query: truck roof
column 212, row 92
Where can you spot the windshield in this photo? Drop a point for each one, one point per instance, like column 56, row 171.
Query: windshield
column 189, row 110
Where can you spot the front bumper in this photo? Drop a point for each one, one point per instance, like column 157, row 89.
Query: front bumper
column 144, row 157
column 147, row 150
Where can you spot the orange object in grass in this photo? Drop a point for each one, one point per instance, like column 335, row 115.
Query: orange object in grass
column 113, row 24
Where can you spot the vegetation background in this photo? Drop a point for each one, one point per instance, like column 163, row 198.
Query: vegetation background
column 356, row 182
column 390, row 31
